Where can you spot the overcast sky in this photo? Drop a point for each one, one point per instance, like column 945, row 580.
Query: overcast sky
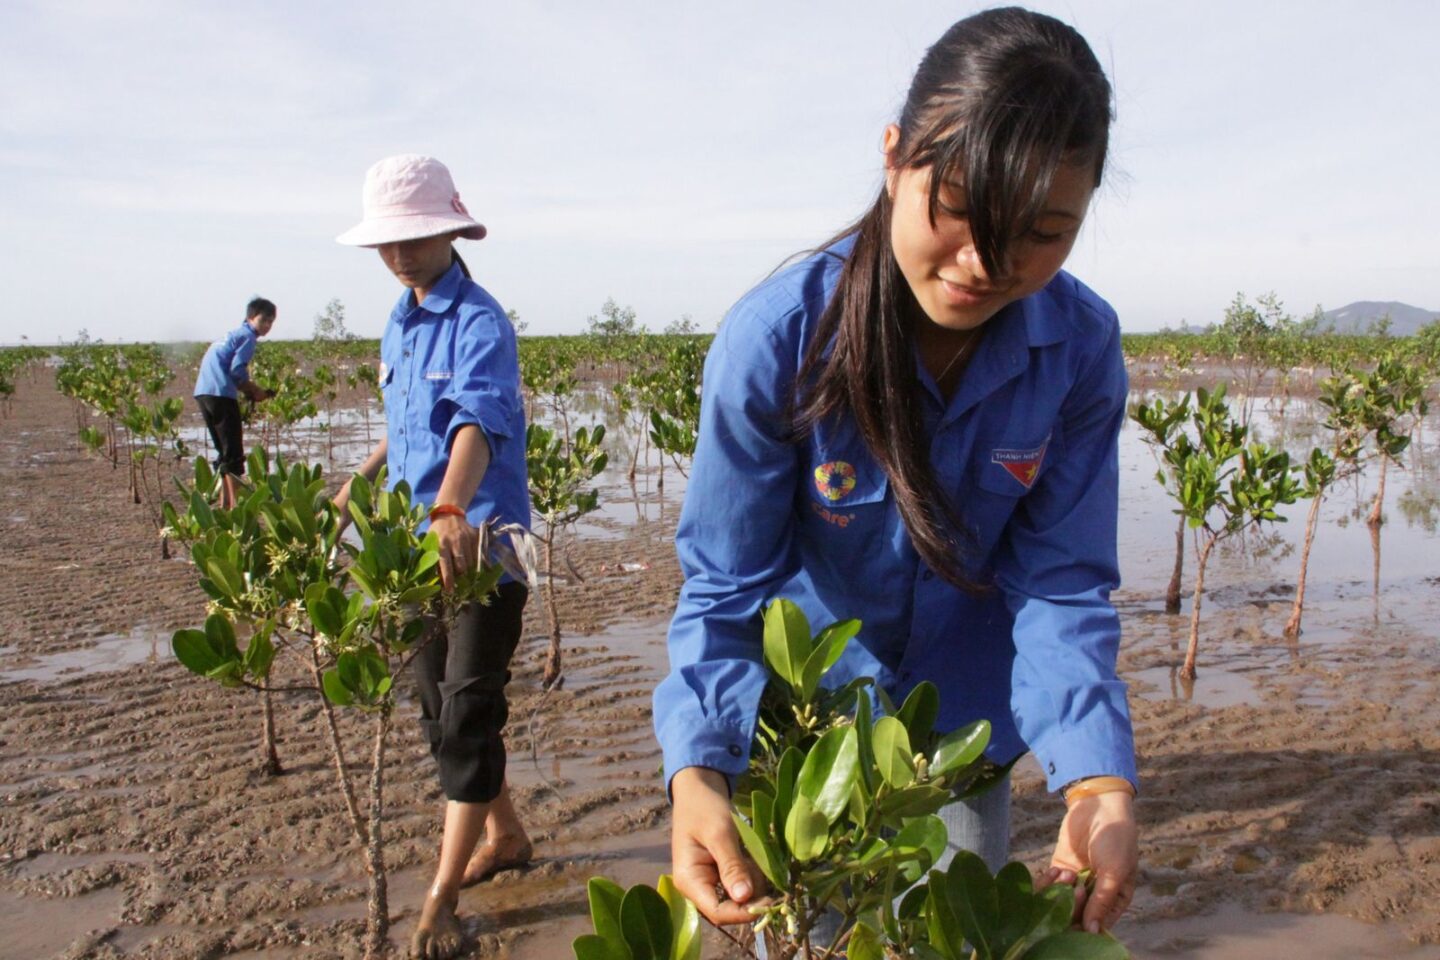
column 161, row 161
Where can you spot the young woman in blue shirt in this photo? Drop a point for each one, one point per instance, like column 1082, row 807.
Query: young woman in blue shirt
column 917, row 427
column 455, row 431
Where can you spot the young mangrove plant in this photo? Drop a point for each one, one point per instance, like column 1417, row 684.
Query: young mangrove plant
column 838, row 809
column 271, row 566
column 1163, row 422
column 560, row 471
column 1223, row 482
column 1393, row 409
column 1346, row 401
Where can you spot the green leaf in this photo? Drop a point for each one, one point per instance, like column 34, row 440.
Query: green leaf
column 589, row 946
column 865, row 944
column 829, row 645
column 974, row 900
column 605, row 897
column 787, row 641
column 915, row 801
column 335, row 690
column 807, row 832
column 786, row 773
column 684, row 921
column 645, row 921
column 920, row 711
column 221, row 634
column 762, row 852
column 192, row 648
column 918, row 846
column 1074, row 945
column 327, row 616
column 259, row 654
column 960, row 748
column 893, row 756
column 419, row 594
column 946, row 935
column 830, row 771
column 225, row 577
column 865, row 739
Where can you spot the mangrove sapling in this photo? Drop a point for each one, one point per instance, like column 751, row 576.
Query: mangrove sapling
column 365, row 377
column 559, row 472
column 1395, row 404
column 675, row 418
column 325, row 385
column 271, row 563
column 1345, row 399
column 155, row 426
column 838, row 811
column 1224, row 483
column 1161, row 422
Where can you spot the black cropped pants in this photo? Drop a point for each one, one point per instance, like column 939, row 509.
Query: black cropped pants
column 460, row 678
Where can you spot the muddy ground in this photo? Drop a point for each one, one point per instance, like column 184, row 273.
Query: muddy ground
column 1289, row 804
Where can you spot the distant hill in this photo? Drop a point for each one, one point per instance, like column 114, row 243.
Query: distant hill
column 1357, row 317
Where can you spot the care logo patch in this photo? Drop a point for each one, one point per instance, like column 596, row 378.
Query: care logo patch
column 1023, row 465
column 835, row 479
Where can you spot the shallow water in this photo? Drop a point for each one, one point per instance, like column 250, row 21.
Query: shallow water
column 1234, row 933
column 1361, row 584
column 104, row 655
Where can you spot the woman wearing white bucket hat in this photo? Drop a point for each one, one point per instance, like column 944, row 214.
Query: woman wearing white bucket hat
column 455, row 431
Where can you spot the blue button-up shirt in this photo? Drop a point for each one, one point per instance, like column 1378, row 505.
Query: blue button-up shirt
column 448, row 362
column 227, row 363
column 1026, row 448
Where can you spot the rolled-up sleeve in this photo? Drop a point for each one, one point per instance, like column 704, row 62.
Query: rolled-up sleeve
column 484, row 385
column 1057, row 565
column 734, row 543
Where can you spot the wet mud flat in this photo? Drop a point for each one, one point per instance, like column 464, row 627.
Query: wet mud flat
column 1289, row 805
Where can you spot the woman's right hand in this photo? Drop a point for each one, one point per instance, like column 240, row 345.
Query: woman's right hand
column 705, row 848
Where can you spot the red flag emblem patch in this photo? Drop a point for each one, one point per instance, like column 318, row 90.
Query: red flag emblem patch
column 1023, row 465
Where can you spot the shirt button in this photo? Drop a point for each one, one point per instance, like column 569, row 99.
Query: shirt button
column 734, row 750
column 928, row 575
column 1052, row 769
column 407, row 353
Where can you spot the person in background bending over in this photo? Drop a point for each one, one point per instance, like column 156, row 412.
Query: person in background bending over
column 224, row 375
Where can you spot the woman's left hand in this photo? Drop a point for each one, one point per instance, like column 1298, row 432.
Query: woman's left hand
column 459, row 547
column 1099, row 833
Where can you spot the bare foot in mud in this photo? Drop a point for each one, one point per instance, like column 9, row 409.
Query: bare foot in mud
column 438, row 935
column 490, row 858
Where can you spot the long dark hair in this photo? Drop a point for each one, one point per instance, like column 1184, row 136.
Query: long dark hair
column 999, row 103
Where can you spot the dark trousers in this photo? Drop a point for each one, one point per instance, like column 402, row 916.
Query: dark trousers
column 460, row 678
column 222, row 419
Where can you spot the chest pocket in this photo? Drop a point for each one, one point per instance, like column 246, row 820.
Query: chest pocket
column 844, row 492
column 1010, row 466
column 385, row 376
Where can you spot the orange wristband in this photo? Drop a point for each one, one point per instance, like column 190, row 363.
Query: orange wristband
column 446, row 510
column 1094, row 786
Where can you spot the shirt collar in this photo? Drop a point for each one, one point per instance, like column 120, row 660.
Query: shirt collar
column 1048, row 314
column 440, row 298
column 248, row 330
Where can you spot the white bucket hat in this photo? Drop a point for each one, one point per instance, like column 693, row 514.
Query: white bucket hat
column 409, row 197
